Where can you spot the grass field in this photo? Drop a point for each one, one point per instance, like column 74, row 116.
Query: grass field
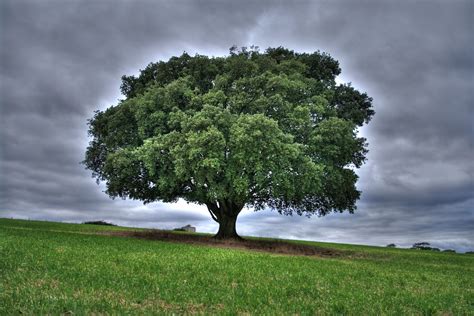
column 58, row 268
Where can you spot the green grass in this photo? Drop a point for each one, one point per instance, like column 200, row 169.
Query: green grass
column 54, row 268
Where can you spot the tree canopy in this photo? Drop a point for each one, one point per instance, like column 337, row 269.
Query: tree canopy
column 265, row 129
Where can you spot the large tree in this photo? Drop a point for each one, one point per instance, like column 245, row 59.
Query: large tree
column 262, row 130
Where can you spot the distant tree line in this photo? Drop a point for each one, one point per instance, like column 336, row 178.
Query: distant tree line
column 104, row 223
column 426, row 246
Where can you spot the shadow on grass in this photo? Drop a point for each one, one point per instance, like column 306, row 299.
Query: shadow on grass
column 270, row 246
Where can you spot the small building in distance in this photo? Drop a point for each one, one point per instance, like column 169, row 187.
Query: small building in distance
column 187, row 228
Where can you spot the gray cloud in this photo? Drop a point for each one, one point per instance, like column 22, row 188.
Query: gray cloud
column 61, row 61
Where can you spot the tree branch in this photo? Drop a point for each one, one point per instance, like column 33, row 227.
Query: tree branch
column 213, row 216
column 213, row 210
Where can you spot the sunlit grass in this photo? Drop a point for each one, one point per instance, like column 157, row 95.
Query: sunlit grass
column 57, row 268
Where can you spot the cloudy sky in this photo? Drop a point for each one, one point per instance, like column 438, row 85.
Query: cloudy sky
column 61, row 60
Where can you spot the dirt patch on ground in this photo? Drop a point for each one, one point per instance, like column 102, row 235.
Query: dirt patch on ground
column 271, row 246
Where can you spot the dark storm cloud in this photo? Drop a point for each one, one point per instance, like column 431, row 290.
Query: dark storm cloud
column 60, row 61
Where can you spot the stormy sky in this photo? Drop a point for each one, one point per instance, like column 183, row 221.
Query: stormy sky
column 61, row 60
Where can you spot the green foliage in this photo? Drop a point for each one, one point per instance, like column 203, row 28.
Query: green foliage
column 54, row 268
column 424, row 246
column 253, row 129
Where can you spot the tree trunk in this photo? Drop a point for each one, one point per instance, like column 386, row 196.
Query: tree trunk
column 227, row 228
column 225, row 213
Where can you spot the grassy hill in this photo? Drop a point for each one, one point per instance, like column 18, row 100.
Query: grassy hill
column 60, row 268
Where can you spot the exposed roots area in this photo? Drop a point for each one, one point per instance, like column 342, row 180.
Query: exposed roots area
column 218, row 238
column 271, row 246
